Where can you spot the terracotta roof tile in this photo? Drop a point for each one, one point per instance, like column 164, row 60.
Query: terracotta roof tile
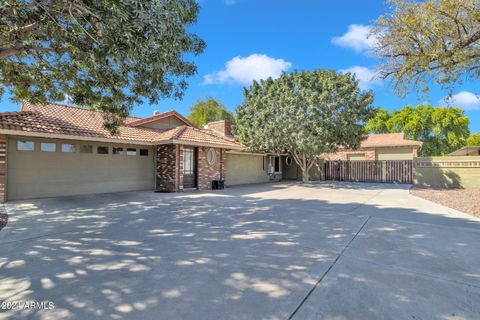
column 388, row 140
column 75, row 121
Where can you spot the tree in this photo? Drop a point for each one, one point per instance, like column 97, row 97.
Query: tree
column 106, row 54
column 473, row 140
column 205, row 111
column 304, row 114
column 442, row 130
column 434, row 40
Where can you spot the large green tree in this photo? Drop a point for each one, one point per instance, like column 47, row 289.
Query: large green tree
column 205, row 111
column 105, row 54
column 304, row 114
column 433, row 41
column 442, row 130
column 473, row 140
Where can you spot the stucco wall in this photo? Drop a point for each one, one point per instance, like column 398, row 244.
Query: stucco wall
column 398, row 153
column 447, row 172
column 244, row 168
column 164, row 124
column 368, row 153
column 375, row 153
column 34, row 174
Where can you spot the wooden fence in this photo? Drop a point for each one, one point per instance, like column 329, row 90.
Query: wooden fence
column 388, row 171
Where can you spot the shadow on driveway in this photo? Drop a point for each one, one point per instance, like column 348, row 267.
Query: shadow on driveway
column 254, row 252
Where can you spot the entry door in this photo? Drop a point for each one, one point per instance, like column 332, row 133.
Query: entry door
column 189, row 167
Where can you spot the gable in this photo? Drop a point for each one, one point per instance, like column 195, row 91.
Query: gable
column 163, row 121
column 164, row 124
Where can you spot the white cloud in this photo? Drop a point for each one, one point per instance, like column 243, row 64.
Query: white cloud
column 245, row 70
column 464, row 99
column 357, row 38
column 366, row 77
column 230, row 2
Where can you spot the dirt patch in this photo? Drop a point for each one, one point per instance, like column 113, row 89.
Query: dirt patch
column 465, row 200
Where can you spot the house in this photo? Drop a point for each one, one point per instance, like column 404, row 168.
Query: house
column 384, row 146
column 55, row 150
column 466, row 151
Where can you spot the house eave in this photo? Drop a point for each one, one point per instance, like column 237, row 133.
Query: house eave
column 198, row 144
column 72, row 137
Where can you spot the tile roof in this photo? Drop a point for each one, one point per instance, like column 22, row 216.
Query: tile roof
column 388, row 140
column 57, row 119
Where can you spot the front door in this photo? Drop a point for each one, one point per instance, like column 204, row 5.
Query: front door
column 189, row 167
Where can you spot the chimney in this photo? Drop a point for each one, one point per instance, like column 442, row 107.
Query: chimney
column 221, row 126
column 156, row 112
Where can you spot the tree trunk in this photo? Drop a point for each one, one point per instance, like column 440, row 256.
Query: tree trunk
column 305, row 176
column 305, row 163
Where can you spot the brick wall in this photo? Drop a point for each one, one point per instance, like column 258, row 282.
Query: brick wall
column 206, row 172
column 169, row 168
column 166, row 168
column 222, row 126
column 3, row 168
column 343, row 155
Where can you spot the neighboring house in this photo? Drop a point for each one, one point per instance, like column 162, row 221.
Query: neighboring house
column 53, row 150
column 466, row 151
column 385, row 146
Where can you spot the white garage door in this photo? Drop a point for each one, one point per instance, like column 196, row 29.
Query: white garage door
column 47, row 168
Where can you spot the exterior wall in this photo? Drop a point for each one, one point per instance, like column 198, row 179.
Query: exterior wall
column 35, row 174
column 164, row 124
column 369, row 154
column 447, row 172
column 290, row 172
column 166, row 168
column 3, row 168
column 398, row 153
column 222, row 126
column 356, row 157
column 375, row 153
column 245, row 169
column 206, row 172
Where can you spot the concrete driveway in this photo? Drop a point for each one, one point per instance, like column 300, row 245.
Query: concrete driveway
column 276, row 251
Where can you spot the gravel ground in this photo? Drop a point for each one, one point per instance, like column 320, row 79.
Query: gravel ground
column 465, row 200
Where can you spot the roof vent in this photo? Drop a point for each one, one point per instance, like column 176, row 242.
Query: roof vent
column 156, row 112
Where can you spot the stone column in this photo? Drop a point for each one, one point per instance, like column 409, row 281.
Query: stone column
column 166, row 168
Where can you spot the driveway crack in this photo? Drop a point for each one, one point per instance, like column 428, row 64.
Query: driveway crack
column 309, row 293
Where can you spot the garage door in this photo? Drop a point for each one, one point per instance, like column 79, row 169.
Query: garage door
column 245, row 168
column 47, row 168
column 394, row 154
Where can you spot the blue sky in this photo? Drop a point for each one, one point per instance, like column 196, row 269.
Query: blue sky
column 248, row 39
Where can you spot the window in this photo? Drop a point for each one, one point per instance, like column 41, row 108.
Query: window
column 131, row 152
column 48, row 147
column 288, row 161
column 188, row 160
column 276, row 164
column 25, row 145
column 144, row 152
column 102, row 150
column 117, row 151
column 211, row 156
column 86, row 148
column 68, row 148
